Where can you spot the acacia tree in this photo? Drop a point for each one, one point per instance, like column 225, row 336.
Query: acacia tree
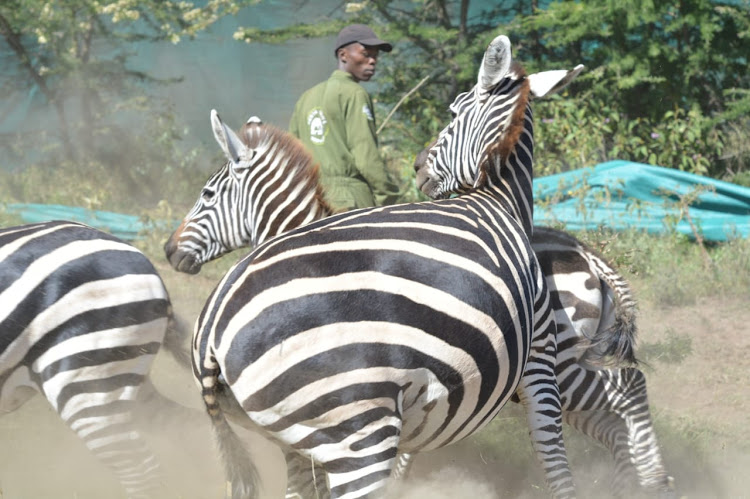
column 648, row 56
column 666, row 82
column 76, row 54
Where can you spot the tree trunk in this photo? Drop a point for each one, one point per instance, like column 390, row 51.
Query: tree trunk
column 14, row 41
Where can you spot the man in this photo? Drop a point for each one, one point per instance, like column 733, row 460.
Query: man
column 336, row 122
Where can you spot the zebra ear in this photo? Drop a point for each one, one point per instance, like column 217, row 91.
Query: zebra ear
column 550, row 82
column 229, row 142
column 495, row 63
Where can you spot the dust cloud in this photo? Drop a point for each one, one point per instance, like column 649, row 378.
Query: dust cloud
column 446, row 483
column 700, row 410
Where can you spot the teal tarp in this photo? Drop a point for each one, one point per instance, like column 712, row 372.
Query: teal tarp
column 617, row 194
column 623, row 194
column 125, row 227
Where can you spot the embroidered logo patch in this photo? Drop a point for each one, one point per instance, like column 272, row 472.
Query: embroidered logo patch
column 368, row 112
column 318, row 124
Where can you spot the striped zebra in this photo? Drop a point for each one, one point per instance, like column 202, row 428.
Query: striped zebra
column 454, row 165
column 403, row 328
column 83, row 316
column 229, row 215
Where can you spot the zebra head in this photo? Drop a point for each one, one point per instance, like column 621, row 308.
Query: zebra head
column 489, row 141
column 269, row 184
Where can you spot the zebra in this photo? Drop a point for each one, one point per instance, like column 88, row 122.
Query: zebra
column 454, row 165
column 596, row 298
column 363, row 360
column 83, row 315
column 584, row 286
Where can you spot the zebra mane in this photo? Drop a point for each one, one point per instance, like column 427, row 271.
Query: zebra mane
column 299, row 161
column 510, row 133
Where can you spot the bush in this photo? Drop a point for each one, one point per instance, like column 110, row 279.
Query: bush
column 572, row 133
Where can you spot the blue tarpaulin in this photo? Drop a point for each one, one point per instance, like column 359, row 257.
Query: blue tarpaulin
column 123, row 226
column 617, row 194
column 626, row 195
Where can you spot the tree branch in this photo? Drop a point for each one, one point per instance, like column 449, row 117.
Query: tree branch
column 14, row 41
column 398, row 104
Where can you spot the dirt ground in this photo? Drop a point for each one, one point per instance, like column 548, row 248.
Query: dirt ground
column 710, row 388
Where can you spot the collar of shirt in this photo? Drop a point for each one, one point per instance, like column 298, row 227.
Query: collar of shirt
column 339, row 73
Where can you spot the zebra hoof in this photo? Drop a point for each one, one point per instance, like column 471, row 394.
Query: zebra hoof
column 669, row 491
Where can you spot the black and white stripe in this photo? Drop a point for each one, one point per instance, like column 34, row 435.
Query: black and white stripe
column 583, row 285
column 83, row 315
column 601, row 308
column 398, row 328
column 603, row 394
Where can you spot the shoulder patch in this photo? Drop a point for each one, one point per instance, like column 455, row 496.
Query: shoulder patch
column 368, row 112
column 318, row 124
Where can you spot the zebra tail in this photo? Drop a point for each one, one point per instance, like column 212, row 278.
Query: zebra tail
column 240, row 470
column 616, row 344
column 622, row 336
column 176, row 340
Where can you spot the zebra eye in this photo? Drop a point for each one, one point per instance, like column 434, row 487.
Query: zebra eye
column 208, row 196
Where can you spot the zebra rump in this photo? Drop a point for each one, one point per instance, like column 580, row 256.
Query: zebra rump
column 82, row 316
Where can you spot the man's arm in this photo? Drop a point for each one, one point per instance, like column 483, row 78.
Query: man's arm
column 293, row 129
column 363, row 144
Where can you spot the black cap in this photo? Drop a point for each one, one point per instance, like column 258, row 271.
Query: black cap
column 362, row 34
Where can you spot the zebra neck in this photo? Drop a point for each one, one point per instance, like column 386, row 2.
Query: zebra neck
column 512, row 186
column 291, row 211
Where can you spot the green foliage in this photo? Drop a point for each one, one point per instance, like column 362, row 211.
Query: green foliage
column 328, row 27
column 685, row 140
column 665, row 83
column 168, row 169
column 646, row 57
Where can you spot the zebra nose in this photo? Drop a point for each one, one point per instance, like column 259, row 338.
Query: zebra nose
column 183, row 261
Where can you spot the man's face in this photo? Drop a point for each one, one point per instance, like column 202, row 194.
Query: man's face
column 358, row 60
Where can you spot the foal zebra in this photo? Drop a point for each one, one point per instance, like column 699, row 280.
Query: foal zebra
column 454, row 165
column 398, row 328
column 82, row 316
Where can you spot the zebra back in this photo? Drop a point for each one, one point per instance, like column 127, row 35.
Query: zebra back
column 611, row 336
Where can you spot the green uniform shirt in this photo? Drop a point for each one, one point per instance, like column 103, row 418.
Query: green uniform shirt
column 335, row 121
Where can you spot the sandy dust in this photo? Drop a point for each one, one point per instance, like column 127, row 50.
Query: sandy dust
column 42, row 458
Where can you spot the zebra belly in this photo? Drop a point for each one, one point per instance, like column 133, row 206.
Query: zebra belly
column 424, row 408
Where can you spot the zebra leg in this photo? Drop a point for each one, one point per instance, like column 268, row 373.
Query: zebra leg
column 626, row 390
column 540, row 396
column 101, row 413
column 305, row 479
column 622, row 392
column 403, row 466
column 358, row 454
column 609, row 430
